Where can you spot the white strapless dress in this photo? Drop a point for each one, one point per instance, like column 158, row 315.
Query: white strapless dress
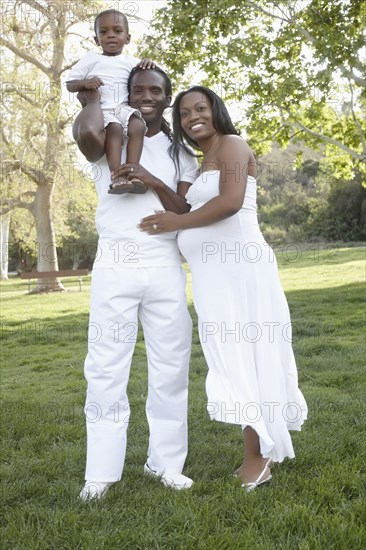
column 244, row 323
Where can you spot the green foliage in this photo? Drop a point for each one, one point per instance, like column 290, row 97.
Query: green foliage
column 294, row 67
column 314, row 502
column 301, row 198
column 342, row 217
column 79, row 243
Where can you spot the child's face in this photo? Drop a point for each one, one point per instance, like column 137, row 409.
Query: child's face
column 112, row 34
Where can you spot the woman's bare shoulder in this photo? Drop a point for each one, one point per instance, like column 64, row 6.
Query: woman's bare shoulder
column 231, row 139
column 231, row 144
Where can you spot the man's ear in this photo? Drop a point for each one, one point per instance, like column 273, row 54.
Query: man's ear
column 168, row 100
column 96, row 41
column 128, row 39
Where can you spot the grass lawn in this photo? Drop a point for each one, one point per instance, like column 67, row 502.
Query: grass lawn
column 314, row 502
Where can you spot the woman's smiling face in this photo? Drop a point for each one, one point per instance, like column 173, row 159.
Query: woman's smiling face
column 196, row 116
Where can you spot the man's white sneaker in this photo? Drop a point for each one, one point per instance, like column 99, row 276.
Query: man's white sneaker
column 176, row 481
column 94, row 490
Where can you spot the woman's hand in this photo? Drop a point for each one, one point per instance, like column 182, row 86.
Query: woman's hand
column 160, row 222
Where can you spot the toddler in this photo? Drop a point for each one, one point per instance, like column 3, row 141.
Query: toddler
column 106, row 74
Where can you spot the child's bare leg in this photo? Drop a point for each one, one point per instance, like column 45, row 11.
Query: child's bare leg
column 136, row 132
column 113, row 150
column 88, row 127
column 113, row 145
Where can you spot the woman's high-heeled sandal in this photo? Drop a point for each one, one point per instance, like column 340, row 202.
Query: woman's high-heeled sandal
column 254, row 484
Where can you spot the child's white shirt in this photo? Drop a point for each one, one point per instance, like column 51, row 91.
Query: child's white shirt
column 113, row 70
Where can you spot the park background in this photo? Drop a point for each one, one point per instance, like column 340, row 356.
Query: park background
column 293, row 76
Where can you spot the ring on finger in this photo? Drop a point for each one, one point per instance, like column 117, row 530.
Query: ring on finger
column 131, row 169
column 154, row 227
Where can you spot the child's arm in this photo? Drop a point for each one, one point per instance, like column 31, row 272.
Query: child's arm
column 86, row 84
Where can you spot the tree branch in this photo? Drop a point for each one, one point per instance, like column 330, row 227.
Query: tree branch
column 6, row 141
column 35, row 175
column 358, row 125
column 37, row 6
column 68, row 67
column 326, row 138
column 25, row 56
column 295, row 134
column 273, row 136
column 23, row 96
column 29, row 194
column 265, row 12
column 65, row 121
column 10, row 204
column 348, row 73
column 351, row 75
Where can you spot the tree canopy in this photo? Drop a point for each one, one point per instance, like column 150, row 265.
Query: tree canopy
column 295, row 67
column 35, row 157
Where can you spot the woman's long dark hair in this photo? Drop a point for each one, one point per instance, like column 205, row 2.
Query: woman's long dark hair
column 220, row 118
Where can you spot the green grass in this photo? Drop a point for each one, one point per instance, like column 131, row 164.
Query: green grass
column 314, row 502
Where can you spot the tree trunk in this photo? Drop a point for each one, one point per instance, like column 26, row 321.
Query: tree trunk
column 4, row 245
column 47, row 254
column 76, row 261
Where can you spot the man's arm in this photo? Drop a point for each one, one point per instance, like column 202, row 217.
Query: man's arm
column 175, row 202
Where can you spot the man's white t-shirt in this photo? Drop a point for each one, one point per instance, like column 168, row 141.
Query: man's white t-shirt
column 113, row 70
column 121, row 243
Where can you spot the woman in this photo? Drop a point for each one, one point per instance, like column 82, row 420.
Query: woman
column 244, row 321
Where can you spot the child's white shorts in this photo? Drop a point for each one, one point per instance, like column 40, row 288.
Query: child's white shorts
column 121, row 115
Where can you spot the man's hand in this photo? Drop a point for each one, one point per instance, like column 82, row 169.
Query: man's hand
column 131, row 171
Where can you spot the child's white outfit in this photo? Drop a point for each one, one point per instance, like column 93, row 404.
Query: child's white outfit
column 114, row 71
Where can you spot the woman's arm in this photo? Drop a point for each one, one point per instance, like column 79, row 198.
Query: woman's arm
column 235, row 159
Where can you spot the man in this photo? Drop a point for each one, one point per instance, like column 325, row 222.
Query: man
column 139, row 277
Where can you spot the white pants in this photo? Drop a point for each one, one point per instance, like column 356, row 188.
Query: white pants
column 119, row 298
